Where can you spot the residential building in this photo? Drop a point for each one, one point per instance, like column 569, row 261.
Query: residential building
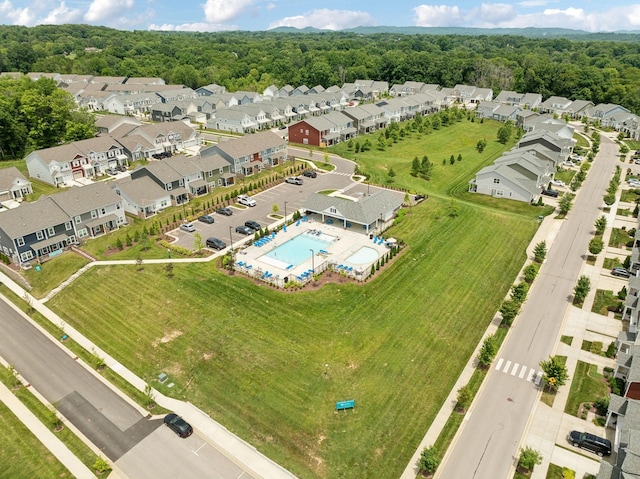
column 13, row 184
column 142, row 197
column 252, row 153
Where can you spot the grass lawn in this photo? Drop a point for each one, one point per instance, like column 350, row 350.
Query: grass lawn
column 586, row 386
column 610, row 263
column 566, row 340
column 620, row 238
column 630, row 195
column 557, row 472
column 603, row 301
column 23, row 456
column 565, row 175
column 253, row 357
column 53, row 272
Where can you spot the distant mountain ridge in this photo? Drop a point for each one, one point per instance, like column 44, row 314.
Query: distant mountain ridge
column 529, row 32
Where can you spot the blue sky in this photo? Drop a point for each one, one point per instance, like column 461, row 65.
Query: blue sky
column 219, row 15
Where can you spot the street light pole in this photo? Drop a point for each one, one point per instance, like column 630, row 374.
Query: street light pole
column 285, row 213
column 313, row 265
column 230, row 239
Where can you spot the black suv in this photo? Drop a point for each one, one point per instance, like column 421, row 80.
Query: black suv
column 254, row 225
column 244, row 230
column 552, row 193
column 178, row 425
column 216, row 243
column 309, row 173
column 590, row 442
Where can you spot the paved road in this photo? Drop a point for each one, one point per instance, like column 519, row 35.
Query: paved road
column 487, row 444
column 117, row 428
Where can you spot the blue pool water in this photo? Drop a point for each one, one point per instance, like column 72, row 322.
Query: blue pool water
column 296, row 250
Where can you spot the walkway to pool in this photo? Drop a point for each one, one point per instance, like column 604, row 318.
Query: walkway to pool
column 343, row 249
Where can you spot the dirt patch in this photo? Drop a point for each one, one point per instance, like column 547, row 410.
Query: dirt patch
column 167, row 337
column 207, row 356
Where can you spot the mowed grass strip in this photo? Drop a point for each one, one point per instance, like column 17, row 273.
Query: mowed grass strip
column 23, row 455
column 254, row 358
column 586, row 386
column 54, row 272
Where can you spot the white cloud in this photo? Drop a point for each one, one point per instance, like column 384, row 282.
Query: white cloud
column 101, row 10
column 326, row 19
column 193, row 27
column 500, row 15
column 535, row 3
column 62, row 14
column 221, row 11
column 17, row 16
column 438, row 16
column 496, row 12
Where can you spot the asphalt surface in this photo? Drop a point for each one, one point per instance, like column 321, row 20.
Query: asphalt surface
column 487, row 444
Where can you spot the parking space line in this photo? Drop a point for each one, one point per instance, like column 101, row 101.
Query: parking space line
column 195, row 451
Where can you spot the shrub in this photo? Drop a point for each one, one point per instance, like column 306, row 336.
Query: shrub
column 101, row 466
column 529, row 458
column 530, row 272
column 429, row 460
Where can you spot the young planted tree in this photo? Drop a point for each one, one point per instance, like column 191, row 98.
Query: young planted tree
column 464, row 398
column 555, row 374
column 519, row 292
column 581, row 290
column 565, row 203
column 530, row 272
column 596, row 245
column 601, row 224
column 488, row 351
column 429, row 460
column 529, row 458
column 509, row 311
column 540, row 252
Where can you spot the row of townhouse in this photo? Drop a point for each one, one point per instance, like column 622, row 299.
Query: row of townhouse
column 522, row 173
column 46, row 227
column 120, row 140
column 175, row 180
column 623, row 415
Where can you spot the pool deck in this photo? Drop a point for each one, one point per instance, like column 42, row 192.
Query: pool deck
column 249, row 260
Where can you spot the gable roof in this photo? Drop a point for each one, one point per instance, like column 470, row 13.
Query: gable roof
column 8, row 177
column 250, row 144
column 142, row 191
column 31, row 217
column 81, row 199
column 364, row 211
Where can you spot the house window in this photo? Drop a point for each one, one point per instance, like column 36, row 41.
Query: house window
column 163, row 203
column 211, row 174
column 82, row 233
column 94, row 214
column 68, row 226
column 499, row 192
column 71, row 239
column 103, row 211
column 26, row 256
column 332, row 210
column 169, row 186
column 39, row 235
column 51, row 231
column 78, row 220
column 496, row 180
column 219, row 181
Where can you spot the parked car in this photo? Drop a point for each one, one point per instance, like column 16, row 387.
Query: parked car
column 244, row 230
column 418, row 197
column 112, row 171
column 188, row 227
column 206, row 219
column 619, row 271
column 246, row 200
column 282, row 127
column 557, row 182
column 552, row 193
column 224, row 211
column 294, row 180
column 590, row 442
column 216, row 243
column 178, row 425
column 309, row 173
column 254, row 225
column 569, row 163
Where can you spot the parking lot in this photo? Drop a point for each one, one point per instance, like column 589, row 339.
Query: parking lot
column 286, row 196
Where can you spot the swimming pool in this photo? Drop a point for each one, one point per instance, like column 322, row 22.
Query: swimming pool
column 297, row 250
column 363, row 256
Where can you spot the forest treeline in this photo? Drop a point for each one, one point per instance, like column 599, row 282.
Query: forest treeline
column 601, row 71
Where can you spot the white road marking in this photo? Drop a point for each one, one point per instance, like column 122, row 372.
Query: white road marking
column 522, row 371
column 196, row 450
column 500, row 361
column 532, row 374
column 515, row 369
column 506, row 367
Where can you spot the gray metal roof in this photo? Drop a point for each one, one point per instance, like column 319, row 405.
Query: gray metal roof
column 364, row 211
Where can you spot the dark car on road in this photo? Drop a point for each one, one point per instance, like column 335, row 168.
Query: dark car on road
column 309, row 173
column 216, row 243
column 590, row 442
column 244, row 230
column 254, row 225
column 178, row 425
column 206, row 219
column 622, row 272
column 224, row 211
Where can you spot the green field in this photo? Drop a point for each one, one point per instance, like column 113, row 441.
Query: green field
column 254, row 358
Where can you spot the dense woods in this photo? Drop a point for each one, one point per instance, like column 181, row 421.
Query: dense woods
column 574, row 67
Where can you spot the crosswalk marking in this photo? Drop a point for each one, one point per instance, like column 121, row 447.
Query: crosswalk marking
column 521, row 371
column 506, row 367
